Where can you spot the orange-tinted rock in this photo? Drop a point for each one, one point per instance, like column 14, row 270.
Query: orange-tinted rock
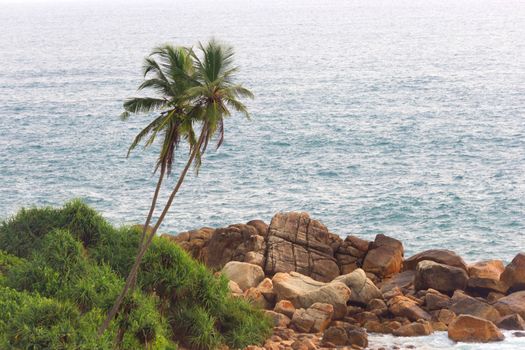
column 466, row 328
column 444, row 315
column 314, row 319
column 414, row 329
column 442, row 256
column 279, row 320
column 514, row 274
column 406, row 307
column 485, row 275
column 384, row 257
column 284, row 307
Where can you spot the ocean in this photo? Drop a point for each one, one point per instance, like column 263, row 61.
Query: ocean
column 405, row 118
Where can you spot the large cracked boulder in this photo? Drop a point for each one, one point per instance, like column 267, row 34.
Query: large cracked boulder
column 314, row 319
column 442, row 256
column 297, row 243
column 466, row 328
column 303, row 291
column 362, row 288
column 514, row 274
column 384, row 257
column 443, row 278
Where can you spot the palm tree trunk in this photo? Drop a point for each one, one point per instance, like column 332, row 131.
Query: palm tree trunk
column 153, row 204
column 134, row 269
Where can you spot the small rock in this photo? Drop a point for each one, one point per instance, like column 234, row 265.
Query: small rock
column 406, row 307
column 335, row 335
column 314, row 319
column 436, row 301
column 377, row 307
column 358, row 337
column 414, row 329
column 279, row 320
column 266, row 288
column 257, row 298
column 284, row 307
column 468, row 328
column 512, row 322
column 234, row 288
column 485, row 276
column 384, row 257
column 445, row 316
column 244, row 274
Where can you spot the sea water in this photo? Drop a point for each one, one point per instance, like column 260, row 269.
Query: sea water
column 405, row 118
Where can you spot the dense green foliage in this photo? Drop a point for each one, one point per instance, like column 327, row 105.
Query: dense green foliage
column 61, row 269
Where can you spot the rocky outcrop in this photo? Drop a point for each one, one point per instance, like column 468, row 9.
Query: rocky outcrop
column 362, row 288
column 444, row 278
column 297, row 243
column 384, row 257
column 514, row 274
column 466, row 328
column 442, row 256
column 303, row 291
column 319, row 290
column 244, row 274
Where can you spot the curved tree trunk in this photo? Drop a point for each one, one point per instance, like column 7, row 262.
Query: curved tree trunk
column 153, row 204
column 134, row 269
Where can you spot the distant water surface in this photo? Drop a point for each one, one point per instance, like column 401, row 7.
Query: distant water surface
column 405, row 118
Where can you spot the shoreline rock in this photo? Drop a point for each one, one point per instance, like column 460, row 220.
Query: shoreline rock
column 322, row 291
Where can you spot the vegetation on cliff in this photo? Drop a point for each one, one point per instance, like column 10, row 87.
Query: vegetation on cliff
column 62, row 268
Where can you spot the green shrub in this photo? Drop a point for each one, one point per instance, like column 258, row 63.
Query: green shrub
column 7, row 261
column 117, row 248
column 196, row 327
column 21, row 234
column 84, row 223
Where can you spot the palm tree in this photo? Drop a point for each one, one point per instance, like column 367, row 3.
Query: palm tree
column 208, row 97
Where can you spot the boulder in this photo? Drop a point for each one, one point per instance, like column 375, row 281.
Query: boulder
column 336, row 336
column 444, row 278
column 244, row 274
column 466, row 328
column 512, row 304
column 402, row 281
column 284, row 307
column 485, row 276
column 362, row 288
column 384, row 257
column 266, row 288
column 511, row 322
column 234, row 288
column 350, row 254
column 255, row 296
column 357, row 337
column 444, row 315
column 442, row 256
column 304, row 291
column 514, row 274
column 377, row 307
column 232, row 243
column 279, row 320
column 462, row 304
column 436, row 301
column 314, row 319
column 192, row 241
column 406, row 307
column 414, row 329
column 298, row 243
